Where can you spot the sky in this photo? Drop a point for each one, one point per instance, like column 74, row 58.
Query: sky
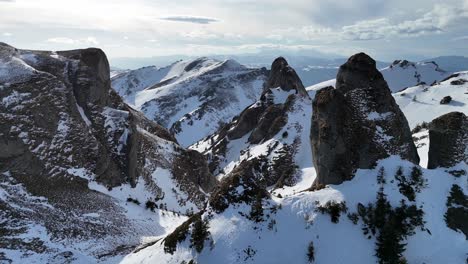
column 385, row 29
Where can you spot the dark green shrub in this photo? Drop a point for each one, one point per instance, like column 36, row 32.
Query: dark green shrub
column 131, row 200
column 311, row 252
column 456, row 216
column 334, row 209
column 200, row 233
column 150, row 205
column 179, row 234
column 256, row 210
column 409, row 187
column 391, row 225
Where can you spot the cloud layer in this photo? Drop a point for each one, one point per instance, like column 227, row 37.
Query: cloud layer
column 191, row 19
column 129, row 28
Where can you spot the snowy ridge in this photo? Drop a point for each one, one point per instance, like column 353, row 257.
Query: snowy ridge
column 96, row 181
column 402, row 73
column 292, row 217
column 194, row 95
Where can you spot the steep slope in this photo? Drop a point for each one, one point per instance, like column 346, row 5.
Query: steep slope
column 77, row 164
column 273, row 131
column 194, row 95
column 402, row 73
column 391, row 213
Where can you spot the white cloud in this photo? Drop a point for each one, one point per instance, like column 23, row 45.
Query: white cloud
column 191, row 19
column 228, row 24
column 7, row 34
column 439, row 19
column 70, row 41
column 460, row 38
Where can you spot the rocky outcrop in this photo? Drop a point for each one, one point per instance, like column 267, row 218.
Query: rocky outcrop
column 285, row 77
column 62, row 128
column 448, row 140
column 357, row 123
column 266, row 118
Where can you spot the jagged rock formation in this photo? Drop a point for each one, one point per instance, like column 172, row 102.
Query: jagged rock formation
column 448, row 140
column 266, row 124
column 262, row 120
column 285, row 77
column 265, row 118
column 357, row 123
column 63, row 129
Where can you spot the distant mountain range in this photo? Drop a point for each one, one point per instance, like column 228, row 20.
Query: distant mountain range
column 311, row 69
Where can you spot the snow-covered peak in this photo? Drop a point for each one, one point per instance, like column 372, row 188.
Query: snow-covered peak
column 192, row 95
column 402, row 74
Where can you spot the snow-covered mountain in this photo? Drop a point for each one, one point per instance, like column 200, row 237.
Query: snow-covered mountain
column 402, row 73
column 265, row 211
column 87, row 178
column 193, row 95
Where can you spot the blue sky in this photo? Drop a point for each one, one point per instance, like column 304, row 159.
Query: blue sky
column 141, row 28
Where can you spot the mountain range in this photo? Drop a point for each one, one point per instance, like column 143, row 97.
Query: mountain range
column 211, row 161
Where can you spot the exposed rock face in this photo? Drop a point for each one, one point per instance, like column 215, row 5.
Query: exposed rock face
column 357, row 123
column 267, row 122
column 284, row 76
column 62, row 128
column 446, row 100
column 267, row 117
column 448, row 140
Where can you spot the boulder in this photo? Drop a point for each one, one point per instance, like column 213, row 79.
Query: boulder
column 446, row 100
column 357, row 123
column 448, row 140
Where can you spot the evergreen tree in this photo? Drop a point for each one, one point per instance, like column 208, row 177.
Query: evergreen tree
column 389, row 247
column 256, row 211
column 311, row 252
column 199, row 234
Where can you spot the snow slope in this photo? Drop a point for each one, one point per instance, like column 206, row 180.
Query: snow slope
column 193, row 95
column 402, row 73
column 236, row 239
column 292, row 219
column 422, row 103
